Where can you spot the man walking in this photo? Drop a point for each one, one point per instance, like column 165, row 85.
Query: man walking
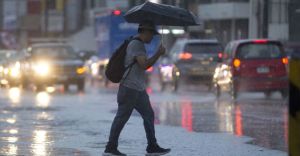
column 132, row 92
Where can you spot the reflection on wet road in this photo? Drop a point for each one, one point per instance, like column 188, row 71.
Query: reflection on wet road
column 33, row 123
column 264, row 120
column 41, row 124
column 14, row 95
column 17, row 130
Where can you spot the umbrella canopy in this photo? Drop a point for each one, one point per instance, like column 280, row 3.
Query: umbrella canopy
column 161, row 14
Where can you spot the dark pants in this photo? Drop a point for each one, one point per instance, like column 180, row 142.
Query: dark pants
column 129, row 99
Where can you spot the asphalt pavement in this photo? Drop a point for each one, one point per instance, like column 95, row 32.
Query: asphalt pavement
column 190, row 122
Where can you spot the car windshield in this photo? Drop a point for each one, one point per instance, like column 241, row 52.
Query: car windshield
column 3, row 56
column 203, row 48
column 55, row 52
column 259, row 51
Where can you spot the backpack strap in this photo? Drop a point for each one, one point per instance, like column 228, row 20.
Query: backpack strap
column 134, row 60
column 129, row 67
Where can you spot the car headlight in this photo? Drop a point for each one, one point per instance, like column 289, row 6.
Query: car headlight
column 5, row 71
column 1, row 69
column 95, row 69
column 15, row 72
column 42, row 68
column 81, row 70
column 167, row 70
column 177, row 73
column 106, row 62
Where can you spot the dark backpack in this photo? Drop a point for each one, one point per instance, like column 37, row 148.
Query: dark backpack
column 116, row 66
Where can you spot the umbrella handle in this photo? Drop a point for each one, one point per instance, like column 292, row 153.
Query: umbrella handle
column 162, row 35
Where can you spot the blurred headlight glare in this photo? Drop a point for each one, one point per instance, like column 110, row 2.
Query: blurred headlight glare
column 15, row 72
column 6, row 71
column 42, row 68
column 106, row 61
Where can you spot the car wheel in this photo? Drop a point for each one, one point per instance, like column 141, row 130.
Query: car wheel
column 13, row 84
column 25, row 84
column 2, row 85
column 106, row 82
column 210, row 86
column 268, row 94
column 234, row 94
column 39, row 87
column 233, row 91
column 162, row 86
column 284, row 94
column 80, row 85
column 217, row 91
column 176, row 86
column 66, row 87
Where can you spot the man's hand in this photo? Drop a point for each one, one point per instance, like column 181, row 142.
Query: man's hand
column 146, row 63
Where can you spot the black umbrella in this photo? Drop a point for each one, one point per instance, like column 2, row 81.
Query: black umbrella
column 161, row 14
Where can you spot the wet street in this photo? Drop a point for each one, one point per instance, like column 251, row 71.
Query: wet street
column 70, row 123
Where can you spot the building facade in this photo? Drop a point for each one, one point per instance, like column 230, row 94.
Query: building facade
column 240, row 19
column 294, row 21
column 25, row 19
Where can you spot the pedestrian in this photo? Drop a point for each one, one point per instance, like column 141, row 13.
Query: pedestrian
column 132, row 92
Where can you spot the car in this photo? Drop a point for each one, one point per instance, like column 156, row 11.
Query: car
column 13, row 67
column 97, row 71
column 50, row 63
column 168, row 73
column 196, row 59
column 10, row 68
column 254, row 65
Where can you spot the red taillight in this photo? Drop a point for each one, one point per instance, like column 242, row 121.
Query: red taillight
column 220, row 55
column 117, row 12
column 185, row 56
column 285, row 60
column 150, row 69
column 260, row 41
column 236, row 63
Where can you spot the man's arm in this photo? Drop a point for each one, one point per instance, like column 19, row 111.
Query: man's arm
column 147, row 63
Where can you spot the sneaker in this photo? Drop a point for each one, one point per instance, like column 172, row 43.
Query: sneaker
column 155, row 150
column 113, row 152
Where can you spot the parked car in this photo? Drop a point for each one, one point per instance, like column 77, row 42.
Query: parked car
column 196, row 59
column 50, row 63
column 257, row 65
column 168, row 73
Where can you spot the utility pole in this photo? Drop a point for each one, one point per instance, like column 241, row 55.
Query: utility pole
column 1, row 15
column 45, row 17
column 265, row 20
column 65, row 22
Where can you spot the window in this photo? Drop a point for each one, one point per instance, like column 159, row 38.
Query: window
column 202, row 48
column 278, row 11
column 259, row 51
column 228, row 51
column 55, row 52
